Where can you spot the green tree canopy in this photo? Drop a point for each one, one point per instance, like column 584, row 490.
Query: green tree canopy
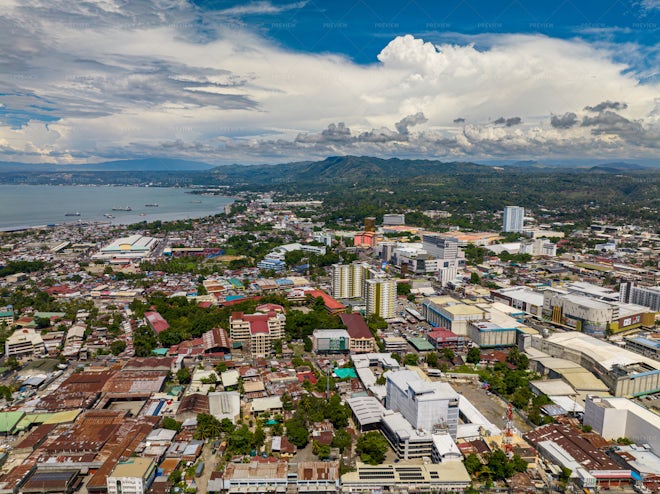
column 372, row 448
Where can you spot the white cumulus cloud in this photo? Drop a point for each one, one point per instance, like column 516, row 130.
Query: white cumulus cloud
column 152, row 78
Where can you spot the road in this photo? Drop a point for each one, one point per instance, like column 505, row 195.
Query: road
column 210, row 462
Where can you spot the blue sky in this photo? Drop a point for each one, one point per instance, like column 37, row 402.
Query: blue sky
column 273, row 81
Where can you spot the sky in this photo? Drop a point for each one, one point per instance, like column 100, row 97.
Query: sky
column 274, row 81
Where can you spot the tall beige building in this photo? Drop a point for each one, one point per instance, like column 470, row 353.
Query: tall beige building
column 348, row 279
column 380, row 297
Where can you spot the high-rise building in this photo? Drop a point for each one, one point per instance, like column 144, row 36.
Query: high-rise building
column 428, row 406
column 380, row 295
column 394, row 219
column 441, row 247
column 648, row 296
column 514, row 218
column 450, row 257
column 347, row 279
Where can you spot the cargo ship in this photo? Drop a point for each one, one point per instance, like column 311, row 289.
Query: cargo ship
column 127, row 208
column 154, row 205
column 72, row 214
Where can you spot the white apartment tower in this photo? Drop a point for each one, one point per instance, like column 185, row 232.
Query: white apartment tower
column 514, row 218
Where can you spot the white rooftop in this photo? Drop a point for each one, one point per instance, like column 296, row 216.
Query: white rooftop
column 424, row 390
column 601, row 351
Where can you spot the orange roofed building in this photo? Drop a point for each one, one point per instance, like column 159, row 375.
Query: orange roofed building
column 332, row 305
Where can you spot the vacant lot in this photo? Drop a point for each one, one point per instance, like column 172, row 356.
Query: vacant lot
column 493, row 407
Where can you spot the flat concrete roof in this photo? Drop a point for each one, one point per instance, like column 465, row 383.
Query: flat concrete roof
column 135, row 467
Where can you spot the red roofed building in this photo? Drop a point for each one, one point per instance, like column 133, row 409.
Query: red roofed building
column 259, row 330
column 332, row 305
column 444, row 338
column 156, row 322
column 361, row 339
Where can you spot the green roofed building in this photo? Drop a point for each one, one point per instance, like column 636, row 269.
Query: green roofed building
column 421, row 344
column 345, row 373
column 236, row 283
column 8, row 421
column 6, row 316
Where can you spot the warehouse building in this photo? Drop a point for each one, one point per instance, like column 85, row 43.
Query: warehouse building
column 619, row 417
column 133, row 247
column 624, row 372
column 446, row 312
column 490, row 335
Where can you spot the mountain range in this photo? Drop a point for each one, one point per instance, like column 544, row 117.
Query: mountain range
column 331, row 169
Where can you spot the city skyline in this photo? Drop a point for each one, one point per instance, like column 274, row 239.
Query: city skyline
column 268, row 82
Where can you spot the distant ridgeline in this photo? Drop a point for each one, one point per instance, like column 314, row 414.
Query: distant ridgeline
column 624, row 189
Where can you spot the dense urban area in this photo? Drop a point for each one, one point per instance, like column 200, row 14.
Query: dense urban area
column 292, row 345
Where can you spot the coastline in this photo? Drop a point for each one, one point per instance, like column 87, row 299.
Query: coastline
column 45, row 206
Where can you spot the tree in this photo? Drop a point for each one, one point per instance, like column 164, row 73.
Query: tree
column 372, row 447
column 323, row 452
column 521, row 397
column 472, row 463
column 207, row 426
column 117, row 346
column 402, row 288
column 6, row 392
column 499, row 465
column 287, row 402
column 171, row 424
column 175, row 477
column 473, row 355
column 183, row 375
column 518, row 464
column 241, row 441
column 308, row 344
column 341, row 440
column 432, row 359
column 411, row 359
column 13, row 363
column 474, row 279
column 226, row 426
column 296, row 432
column 448, row 354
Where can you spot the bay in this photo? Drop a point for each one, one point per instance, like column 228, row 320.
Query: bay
column 37, row 205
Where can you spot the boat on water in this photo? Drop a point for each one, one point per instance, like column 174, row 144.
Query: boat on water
column 154, row 205
column 72, row 214
column 108, row 215
column 127, row 208
column 195, row 202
